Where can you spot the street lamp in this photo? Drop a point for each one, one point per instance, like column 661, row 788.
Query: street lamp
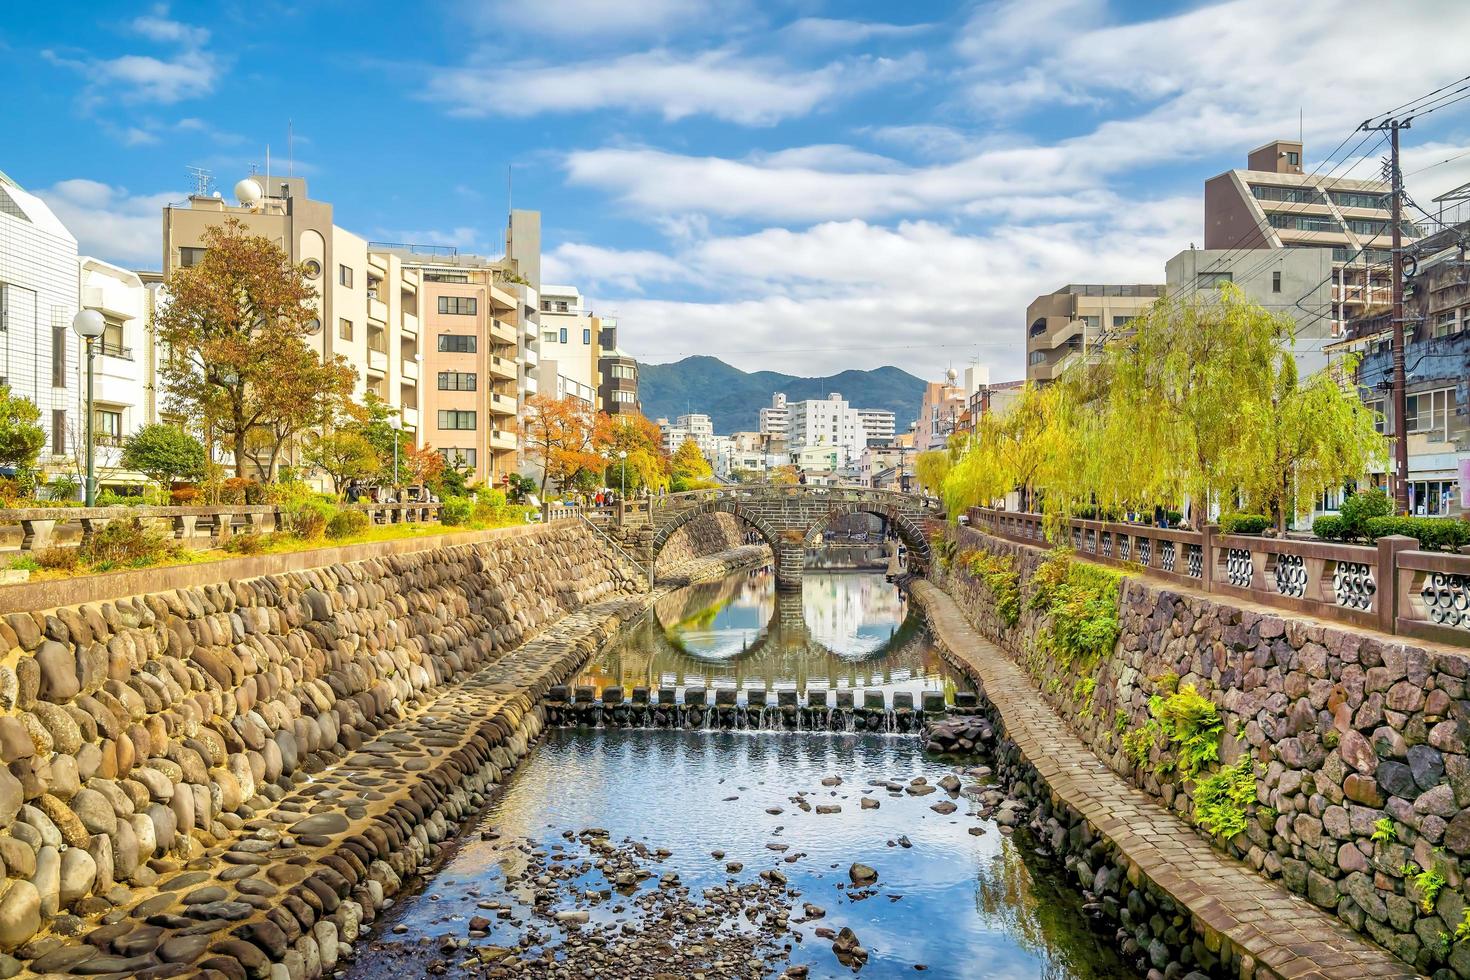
column 397, row 423
column 623, row 472
column 89, row 325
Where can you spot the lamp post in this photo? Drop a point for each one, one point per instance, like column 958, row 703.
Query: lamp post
column 623, row 472
column 89, row 325
column 397, row 423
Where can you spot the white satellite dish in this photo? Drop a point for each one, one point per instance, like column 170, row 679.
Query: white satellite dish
column 249, row 193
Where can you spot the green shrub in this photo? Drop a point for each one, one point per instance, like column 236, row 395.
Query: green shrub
column 490, row 497
column 1138, row 743
column 1429, row 882
column 307, row 519
column 347, row 523
column 1359, row 508
column 1082, row 601
column 25, row 563
column 455, row 511
column 1244, row 523
column 1432, row 533
column 245, row 543
column 111, row 498
column 1000, row 576
column 130, row 541
column 1329, row 528
column 1221, row 797
column 1192, row 725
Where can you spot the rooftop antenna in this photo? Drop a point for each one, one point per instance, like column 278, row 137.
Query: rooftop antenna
column 202, row 179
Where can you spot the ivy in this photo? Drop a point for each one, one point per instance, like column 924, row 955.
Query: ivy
column 1082, row 601
column 1192, row 725
column 1000, row 576
column 1082, row 693
column 1220, row 798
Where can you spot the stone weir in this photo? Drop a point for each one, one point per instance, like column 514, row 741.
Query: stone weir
column 228, row 780
column 842, row 710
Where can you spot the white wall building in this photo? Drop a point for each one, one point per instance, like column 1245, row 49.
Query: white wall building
column 878, row 424
column 698, row 427
column 38, row 298
column 568, row 344
column 827, row 423
column 776, row 418
column 124, row 368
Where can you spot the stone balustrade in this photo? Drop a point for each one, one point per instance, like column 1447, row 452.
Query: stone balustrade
column 1389, row 586
column 41, row 527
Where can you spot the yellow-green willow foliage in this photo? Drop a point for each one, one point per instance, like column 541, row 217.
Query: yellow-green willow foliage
column 1201, row 403
column 930, row 469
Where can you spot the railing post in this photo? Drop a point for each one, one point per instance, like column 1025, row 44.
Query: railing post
column 1386, row 577
column 184, row 526
column 1207, row 556
column 36, row 535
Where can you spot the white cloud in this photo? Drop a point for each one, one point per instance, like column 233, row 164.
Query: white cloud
column 622, row 270
column 109, row 222
column 721, row 83
column 189, row 73
column 595, row 18
column 1007, row 30
column 825, row 30
column 158, row 26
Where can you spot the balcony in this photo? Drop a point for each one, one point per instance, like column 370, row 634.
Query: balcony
column 502, row 404
column 377, row 311
column 504, row 332
column 410, row 326
column 410, row 369
column 377, row 362
column 529, row 357
column 503, row 367
column 410, row 417
column 503, row 439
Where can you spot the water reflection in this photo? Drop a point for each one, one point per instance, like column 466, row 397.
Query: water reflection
column 843, row 630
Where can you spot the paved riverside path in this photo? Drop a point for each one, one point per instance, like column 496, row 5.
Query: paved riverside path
column 1282, row 933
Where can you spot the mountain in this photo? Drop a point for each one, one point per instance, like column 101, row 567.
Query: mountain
column 733, row 398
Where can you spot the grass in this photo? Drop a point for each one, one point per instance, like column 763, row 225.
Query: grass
column 271, row 544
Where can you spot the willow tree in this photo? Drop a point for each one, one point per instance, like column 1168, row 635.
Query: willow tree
column 1178, row 387
column 930, row 469
column 1304, row 437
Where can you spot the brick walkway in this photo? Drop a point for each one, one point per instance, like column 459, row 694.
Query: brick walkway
column 1283, row 935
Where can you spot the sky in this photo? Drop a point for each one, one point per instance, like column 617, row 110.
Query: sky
column 793, row 185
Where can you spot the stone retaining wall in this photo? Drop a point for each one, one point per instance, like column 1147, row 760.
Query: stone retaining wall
column 138, row 735
column 1351, row 734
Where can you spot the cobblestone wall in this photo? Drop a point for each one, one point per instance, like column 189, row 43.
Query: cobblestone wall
column 1352, row 735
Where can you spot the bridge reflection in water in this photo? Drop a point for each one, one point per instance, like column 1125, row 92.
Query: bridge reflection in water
column 841, row 631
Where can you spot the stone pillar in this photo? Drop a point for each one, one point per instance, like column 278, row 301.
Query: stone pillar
column 184, row 526
column 36, row 535
column 790, row 557
column 1391, row 591
column 1206, row 556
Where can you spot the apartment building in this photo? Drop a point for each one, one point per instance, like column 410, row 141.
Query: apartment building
column 1437, row 351
column 523, row 258
column 827, row 424
column 617, row 372
column 878, row 425
column 698, row 427
column 776, row 417
column 939, row 413
column 1077, row 318
column 569, row 345
column 1273, row 204
column 40, row 358
column 124, row 369
column 368, row 300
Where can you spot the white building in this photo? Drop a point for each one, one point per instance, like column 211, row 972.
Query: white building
column 776, row 418
column 568, row 339
column 878, row 424
column 124, row 367
column 698, row 427
column 827, row 423
column 38, row 298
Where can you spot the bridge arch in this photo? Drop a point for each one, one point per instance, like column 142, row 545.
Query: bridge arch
column 893, row 517
column 768, row 533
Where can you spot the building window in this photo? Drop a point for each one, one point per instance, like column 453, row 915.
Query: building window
column 624, row 396
column 1037, row 357
column 1121, row 321
column 1367, row 226
column 563, row 335
column 1213, row 280
column 446, row 277
column 58, row 357
column 1349, row 199
column 1286, row 195
column 108, row 424
column 1090, row 322
column 1275, row 282
column 548, row 336
column 457, row 305
column 190, row 256
column 457, row 343
column 626, row 372
column 458, row 457
column 344, row 275
column 1429, row 413
column 452, row 419
column 456, row 381
column 1293, row 158
column 344, row 329
column 1304, row 222
column 58, row 431
column 1444, row 323
column 1432, row 498
column 586, row 336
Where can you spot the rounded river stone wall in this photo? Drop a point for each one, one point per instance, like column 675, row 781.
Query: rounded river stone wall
column 1358, row 743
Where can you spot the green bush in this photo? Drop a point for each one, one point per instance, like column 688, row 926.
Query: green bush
column 1359, row 508
column 455, row 511
column 25, row 563
column 1191, row 723
column 111, row 498
column 131, row 541
column 1244, row 523
column 1329, row 528
column 347, row 523
column 490, row 497
column 1221, row 797
column 1082, row 601
column 1432, row 533
column 245, row 543
column 999, row 574
column 307, row 519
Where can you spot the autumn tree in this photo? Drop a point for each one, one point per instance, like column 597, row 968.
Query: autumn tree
column 424, row 467
column 235, row 328
column 305, row 394
column 344, row 455
column 645, row 465
column 557, row 436
column 690, row 470
column 787, row 475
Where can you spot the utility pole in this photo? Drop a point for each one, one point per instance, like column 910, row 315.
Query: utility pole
column 1400, row 485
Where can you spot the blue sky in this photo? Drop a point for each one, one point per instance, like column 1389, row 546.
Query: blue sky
column 798, row 185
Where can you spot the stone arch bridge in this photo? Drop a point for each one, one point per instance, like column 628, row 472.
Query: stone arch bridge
column 789, row 519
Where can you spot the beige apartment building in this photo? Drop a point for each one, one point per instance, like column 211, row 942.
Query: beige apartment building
column 368, row 300
column 1077, row 318
column 1273, row 204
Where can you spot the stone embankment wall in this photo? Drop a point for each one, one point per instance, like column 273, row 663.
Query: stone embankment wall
column 1358, row 742
column 707, row 534
column 148, row 734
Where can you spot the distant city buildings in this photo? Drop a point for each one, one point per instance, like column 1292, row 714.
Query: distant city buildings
column 1078, row 318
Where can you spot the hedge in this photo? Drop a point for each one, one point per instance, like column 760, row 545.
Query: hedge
column 1244, row 523
column 1432, row 533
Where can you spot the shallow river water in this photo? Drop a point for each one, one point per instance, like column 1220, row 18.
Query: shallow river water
column 954, row 897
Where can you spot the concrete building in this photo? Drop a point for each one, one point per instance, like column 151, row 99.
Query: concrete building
column 569, row 344
column 41, row 357
column 368, row 300
column 827, row 423
column 1273, row 204
column 1078, row 317
column 698, row 427
column 878, row 425
column 1437, row 352
column 939, row 414
column 523, row 259
column 617, row 386
column 1295, row 282
column 124, row 370
column 776, row 417
column 990, row 398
